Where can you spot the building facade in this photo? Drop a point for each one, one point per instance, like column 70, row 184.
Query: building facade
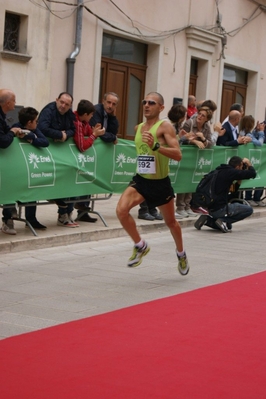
column 213, row 49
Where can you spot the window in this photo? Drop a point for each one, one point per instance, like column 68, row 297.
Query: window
column 235, row 75
column 123, row 49
column 15, row 37
column 11, row 35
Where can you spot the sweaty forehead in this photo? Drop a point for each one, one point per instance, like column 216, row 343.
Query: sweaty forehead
column 152, row 97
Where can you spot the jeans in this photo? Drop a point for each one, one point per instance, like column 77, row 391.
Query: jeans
column 232, row 213
column 64, row 208
column 256, row 195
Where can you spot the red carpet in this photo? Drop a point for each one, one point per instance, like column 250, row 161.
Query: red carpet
column 209, row 343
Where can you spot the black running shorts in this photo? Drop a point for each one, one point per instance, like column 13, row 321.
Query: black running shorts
column 156, row 192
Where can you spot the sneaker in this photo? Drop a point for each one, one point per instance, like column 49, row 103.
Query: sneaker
column 191, row 213
column 252, row 203
column 8, row 227
column 200, row 221
column 181, row 214
column 146, row 216
column 222, row 225
column 64, row 221
column 200, row 210
column 229, row 226
column 157, row 215
column 183, row 266
column 70, row 218
column 261, row 203
column 137, row 255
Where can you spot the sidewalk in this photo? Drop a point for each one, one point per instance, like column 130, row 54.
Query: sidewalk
column 60, row 236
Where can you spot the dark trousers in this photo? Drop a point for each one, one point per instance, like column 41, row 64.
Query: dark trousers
column 145, row 209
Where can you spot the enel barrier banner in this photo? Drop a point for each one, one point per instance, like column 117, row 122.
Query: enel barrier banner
column 29, row 174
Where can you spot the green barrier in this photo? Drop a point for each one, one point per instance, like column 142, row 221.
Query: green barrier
column 61, row 171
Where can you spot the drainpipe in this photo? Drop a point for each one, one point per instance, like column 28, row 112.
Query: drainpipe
column 72, row 58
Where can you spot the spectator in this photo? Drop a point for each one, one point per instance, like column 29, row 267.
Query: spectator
column 231, row 136
column 198, row 133
column 235, row 107
column 105, row 115
column 224, row 214
column 56, row 121
column 7, row 134
column 191, row 106
column 84, row 138
column 256, row 136
column 28, row 120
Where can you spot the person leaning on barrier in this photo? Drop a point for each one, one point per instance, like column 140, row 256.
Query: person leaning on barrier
column 246, row 128
column 27, row 117
column 56, row 121
column 224, row 214
column 7, row 134
column 231, row 136
column 105, row 115
column 84, row 138
column 195, row 131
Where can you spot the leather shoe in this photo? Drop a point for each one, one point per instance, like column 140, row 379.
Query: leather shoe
column 146, row 216
column 36, row 225
column 86, row 218
column 157, row 216
column 81, row 207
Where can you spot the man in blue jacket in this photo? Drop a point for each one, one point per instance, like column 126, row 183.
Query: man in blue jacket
column 56, row 120
column 231, row 137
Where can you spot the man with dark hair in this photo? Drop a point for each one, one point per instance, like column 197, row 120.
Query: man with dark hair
column 56, row 121
column 224, row 214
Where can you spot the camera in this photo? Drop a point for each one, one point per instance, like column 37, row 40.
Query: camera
column 245, row 166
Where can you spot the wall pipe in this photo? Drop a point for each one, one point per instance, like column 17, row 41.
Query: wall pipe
column 72, row 58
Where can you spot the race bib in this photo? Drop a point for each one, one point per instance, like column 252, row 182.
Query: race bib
column 146, row 164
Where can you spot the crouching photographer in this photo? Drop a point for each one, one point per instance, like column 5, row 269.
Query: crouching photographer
column 222, row 213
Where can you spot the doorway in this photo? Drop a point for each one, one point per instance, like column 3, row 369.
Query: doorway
column 123, row 71
column 234, row 89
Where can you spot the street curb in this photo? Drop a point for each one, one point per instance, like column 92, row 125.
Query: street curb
column 17, row 245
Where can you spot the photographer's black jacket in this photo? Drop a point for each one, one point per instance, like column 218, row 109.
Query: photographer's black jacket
column 226, row 177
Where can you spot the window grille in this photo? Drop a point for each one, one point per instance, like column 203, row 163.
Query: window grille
column 11, row 35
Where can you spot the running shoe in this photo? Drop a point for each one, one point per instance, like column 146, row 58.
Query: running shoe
column 138, row 254
column 222, row 225
column 183, row 266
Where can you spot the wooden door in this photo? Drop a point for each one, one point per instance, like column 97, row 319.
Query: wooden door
column 232, row 93
column 128, row 81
